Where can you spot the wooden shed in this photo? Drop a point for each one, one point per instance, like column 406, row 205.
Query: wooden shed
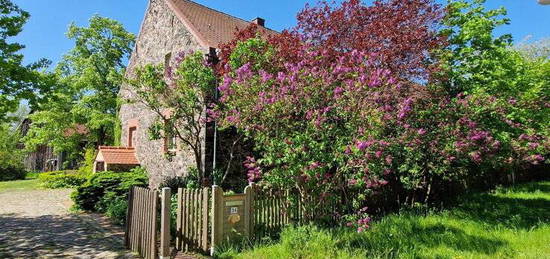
column 116, row 159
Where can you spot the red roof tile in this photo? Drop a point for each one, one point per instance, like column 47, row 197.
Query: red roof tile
column 117, row 155
column 77, row 129
column 211, row 27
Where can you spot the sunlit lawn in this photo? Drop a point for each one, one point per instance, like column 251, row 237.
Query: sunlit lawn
column 507, row 223
column 31, row 183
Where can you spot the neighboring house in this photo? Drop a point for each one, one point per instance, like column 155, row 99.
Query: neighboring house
column 171, row 27
column 43, row 158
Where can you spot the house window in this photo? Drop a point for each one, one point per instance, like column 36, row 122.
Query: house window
column 132, row 136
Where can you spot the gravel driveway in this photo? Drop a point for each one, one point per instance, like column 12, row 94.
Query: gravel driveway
column 38, row 224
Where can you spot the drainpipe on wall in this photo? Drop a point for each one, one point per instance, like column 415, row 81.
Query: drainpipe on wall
column 214, row 59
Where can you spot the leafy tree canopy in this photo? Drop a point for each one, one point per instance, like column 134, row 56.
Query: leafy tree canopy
column 17, row 81
column 84, row 103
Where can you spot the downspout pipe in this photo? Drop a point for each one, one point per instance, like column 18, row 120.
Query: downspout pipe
column 213, row 56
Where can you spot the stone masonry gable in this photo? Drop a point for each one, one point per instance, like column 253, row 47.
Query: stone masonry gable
column 169, row 28
column 161, row 33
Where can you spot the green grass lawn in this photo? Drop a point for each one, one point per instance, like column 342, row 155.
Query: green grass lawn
column 506, row 223
column 21, row 185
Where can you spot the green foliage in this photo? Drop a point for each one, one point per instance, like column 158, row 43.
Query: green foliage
column 88, row 163
column 507, row 223
column 17, row 81
column 61, row 179
column 178, row 96
column 101, row 187
column 11, row 155
column 507, row 90
column 12, row 173
column 32, row 175
column 85, row 103
column 254, row 51
column 479, row 63
column 114, row 206
column 341, row 127
column 475, row 58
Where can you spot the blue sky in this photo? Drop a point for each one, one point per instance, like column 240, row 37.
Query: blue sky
column 44, row 34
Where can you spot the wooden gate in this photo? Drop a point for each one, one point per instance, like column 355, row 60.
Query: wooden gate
column 141, row 222
column 193, row 220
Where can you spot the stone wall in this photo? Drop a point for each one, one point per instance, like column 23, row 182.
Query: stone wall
column 161, row 33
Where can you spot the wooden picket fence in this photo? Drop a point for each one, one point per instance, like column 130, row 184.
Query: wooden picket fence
column 270, row 213
column 274, row 209
column 193, row 220
column 143, row 232
column 206, row 218
column 141, row 222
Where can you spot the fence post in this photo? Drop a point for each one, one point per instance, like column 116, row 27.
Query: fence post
column 166, row 204
column 217, row 220
column 154, row 225
column 129, row 210
column 249, row 211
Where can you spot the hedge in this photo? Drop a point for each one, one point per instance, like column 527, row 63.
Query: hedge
column 107, row 192
column 12, row 173
column 61, row 179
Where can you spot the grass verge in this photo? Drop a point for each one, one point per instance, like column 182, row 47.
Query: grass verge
column 506, row 223
column 20, row 185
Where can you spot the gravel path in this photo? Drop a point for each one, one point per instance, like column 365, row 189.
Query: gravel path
column 38, row 224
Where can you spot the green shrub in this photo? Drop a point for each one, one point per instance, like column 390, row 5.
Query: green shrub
column 107, row 192
column 32, row 175
column 88, row 163
column 114, row 206
column 11, row 155
column 10, row 173
column 61, row 179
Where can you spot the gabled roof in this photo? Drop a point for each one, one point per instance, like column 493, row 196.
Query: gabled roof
column 211, row 28
column 117, row 155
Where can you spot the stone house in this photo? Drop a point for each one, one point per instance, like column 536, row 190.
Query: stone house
column 171, row 27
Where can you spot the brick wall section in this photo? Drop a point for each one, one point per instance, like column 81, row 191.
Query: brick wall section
column 161, row 33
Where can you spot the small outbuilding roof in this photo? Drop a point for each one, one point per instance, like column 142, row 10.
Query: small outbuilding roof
column 117, row 155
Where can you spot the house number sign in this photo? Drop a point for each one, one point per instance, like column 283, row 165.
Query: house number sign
column 234, row 217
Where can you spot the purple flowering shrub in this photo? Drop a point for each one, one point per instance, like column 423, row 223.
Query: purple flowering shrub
column 333, row 122
column 346, row 129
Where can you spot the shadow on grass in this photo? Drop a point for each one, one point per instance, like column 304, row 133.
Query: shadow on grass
column 501, row 211
column 411, row 238
column 408, row 233
column 532, row 187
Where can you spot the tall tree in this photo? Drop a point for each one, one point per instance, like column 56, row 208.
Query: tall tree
column 85, row 102
column 178, row 96
column 17, row 81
